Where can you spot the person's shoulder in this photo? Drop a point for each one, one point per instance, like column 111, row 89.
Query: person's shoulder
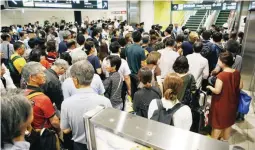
column 184, row 109
column 100, row 99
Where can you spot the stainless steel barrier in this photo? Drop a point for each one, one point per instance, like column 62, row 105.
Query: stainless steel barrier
column 111, row 129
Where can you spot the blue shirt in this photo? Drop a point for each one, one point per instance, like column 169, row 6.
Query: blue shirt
column 94, row 60
column 62, row 47
column 187, row 48
column 73, row 109
column 135, row 55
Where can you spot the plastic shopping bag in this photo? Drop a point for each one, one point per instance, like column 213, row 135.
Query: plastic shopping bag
column 244, row 102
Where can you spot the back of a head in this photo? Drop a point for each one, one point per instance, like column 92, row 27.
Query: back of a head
column 181, row 65
column 153, row 58
column 83, row 30
column 193, row 36
column 70, row 43
column 227, row 58
column 78, row 56
column 136, row 36
column 169, row 42
column 35, row 55
column 61, row 63
column 17, row 45
column 122, row 42
column 95, row 32
column 5, row 36
column 66, row 34
column 62, row 27
column 145, row 39
column 66, row 56
column 197, row 47
column 16, row 115
column 206, row 34
column 145, row 75
column 88, row 46
column 232, row 46
column 31, row 68
column 172, row 85
column 80, row 39
column 115, row 61
column 225, row 37
column 31, row 43
column 21, row 34
column 51, row 46
column 180, row 38
column 169, row 30
column 217, row 36
column 83, row 72
column 233, row 35
column 114, row 47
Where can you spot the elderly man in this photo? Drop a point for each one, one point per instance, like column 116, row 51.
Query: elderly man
column 52, row 87
column 43, row 110
column 82, row 101
column 68, row 85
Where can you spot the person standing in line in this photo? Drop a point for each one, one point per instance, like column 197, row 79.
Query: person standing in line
column 62, row 45
column 225, row 98
column 85, row 99
column 7, row 48
column 136, row 59
column 187, row 46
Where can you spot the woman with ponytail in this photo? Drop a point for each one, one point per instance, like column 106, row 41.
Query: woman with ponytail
column 172, row 85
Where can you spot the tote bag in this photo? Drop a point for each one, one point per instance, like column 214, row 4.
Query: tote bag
column 244, row 102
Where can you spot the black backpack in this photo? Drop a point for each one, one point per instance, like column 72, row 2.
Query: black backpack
column 207, row 49
column 165, row 116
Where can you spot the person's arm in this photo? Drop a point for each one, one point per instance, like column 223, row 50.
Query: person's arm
column 218, row 87
column 65, row 127
column 136, row 100
column 9, row 82
column 55, row 122
column 216, row 70
column 107, row 83
column 143, row 58
column 241, row 84
column 206, row 70
column 128, row 83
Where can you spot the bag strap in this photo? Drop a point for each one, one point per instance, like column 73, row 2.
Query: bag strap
column 160, row 104
column 8, row 51
column 176, row 107
column 15, row 58
column 117, row 88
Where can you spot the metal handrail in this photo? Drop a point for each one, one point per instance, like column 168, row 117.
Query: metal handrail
column 231, row 21
column 204, row 19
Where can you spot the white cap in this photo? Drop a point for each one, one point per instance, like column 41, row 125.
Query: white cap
column 225, row 25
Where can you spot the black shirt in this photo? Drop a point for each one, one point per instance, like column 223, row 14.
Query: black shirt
column 143, row 98
column 52, row 88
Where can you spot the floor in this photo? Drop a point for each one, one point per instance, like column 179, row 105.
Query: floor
column 243, row 134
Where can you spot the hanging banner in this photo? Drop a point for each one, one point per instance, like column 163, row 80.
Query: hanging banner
column 207, row 6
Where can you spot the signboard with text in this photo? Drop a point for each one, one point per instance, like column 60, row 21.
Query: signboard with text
column 207, row 6
column 65, row 4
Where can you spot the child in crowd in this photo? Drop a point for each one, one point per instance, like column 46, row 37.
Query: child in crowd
column 113, row 84
column 146, row 94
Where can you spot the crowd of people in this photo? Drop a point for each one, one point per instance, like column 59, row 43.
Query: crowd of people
column 66, row 70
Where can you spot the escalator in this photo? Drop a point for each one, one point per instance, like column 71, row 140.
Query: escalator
column 194, row 21
column 222, row 18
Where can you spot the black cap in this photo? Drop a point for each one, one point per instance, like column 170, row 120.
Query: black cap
column 168, row 30
column 142, row 23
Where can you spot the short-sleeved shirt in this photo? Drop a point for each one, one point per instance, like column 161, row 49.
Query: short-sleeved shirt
column 73, row 109
column 62, row 47
column 94, row 60
column 43, row 110
column 135, row 55
column 18, row 63
column 4, row 49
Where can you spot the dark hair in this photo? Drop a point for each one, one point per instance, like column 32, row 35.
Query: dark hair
column 197, row 47
column 70, row 43
column 169, row 42
column 240, row 34
column 62, row 27
column 35, row 55
column 114, row 39
column 66, row 56
column 169, row 30
column 80, row 39
column 183, row 28
column 95, row 32
column 232, row 46
column 217, row 36
column 55, row 34
column 115, row 61
column 51, row 46
column 114, row 47
column 145, row 75
column 17, row 45
column 42, row 34
column 103, row 51
column 136, row 36
column 227, row 58
column 88, row 46
column 180, row 38
column 225, row 37
column 114, row 32
column 181, row 65
column 206, row 34
column 146, row 39
column 233, row 35
column 122, row 42
column 21, row 34
column 31, row 43
column 5, row 36
column 152, row 32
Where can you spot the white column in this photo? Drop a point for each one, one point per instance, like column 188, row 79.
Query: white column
column 147, row 14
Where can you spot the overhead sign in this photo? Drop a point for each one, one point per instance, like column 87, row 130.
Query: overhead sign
column 210, row 6
column 119, row 12
column 68, row 4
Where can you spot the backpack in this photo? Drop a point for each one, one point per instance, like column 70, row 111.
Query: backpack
column 207, row 49
column 45, row 139
column 165, row 116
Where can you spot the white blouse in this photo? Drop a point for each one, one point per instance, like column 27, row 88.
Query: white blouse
column 182, row 118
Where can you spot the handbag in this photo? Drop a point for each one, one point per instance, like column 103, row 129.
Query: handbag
column 244, row 102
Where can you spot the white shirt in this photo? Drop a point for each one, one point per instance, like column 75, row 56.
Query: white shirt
column 166, row 61
column 198, row 67
column 8, row 79
column 69, row 89
column 182, row 117
column 116, row 24
column 123, row 70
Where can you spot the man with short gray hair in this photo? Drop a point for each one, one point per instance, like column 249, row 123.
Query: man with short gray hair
column 52, row 87
column 83, row 100
column 62, row 47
